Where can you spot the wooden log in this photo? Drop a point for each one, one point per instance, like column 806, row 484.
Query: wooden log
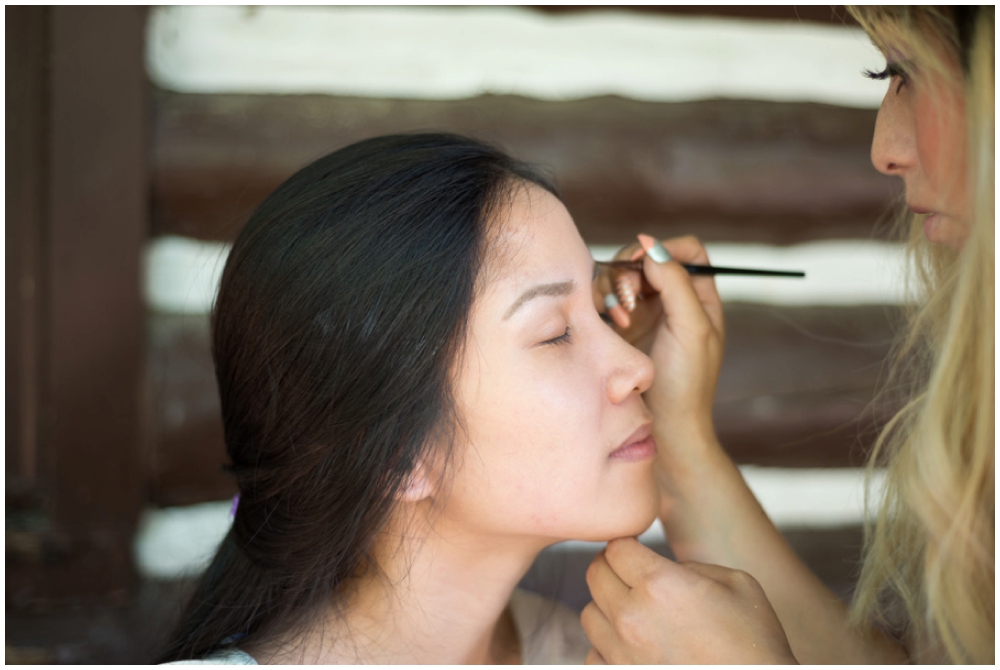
column 726, row 170
column 796, row 390
column 74, row 539
column 26, row 50
column 188, row 446
column 798, row 385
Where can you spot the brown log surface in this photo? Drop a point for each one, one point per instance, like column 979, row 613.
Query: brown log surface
column 72, row 513
column 726, row 170
column 796, row 390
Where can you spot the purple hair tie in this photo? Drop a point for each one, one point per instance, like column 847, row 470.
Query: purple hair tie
column 236, row 504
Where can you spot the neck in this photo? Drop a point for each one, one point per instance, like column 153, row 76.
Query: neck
column 440, row 597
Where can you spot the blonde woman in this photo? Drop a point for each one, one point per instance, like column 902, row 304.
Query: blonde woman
column 930, row 554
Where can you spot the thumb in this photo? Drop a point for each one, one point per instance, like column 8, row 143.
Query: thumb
column 673, row 283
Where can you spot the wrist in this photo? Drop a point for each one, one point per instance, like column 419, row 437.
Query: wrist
column 685, row 436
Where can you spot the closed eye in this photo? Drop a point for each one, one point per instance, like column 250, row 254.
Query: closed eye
column 562, row 339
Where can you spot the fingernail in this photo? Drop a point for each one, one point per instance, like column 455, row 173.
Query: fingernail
column 626, row 293
column 616, row 311
column 654, row 249
column 620, row 317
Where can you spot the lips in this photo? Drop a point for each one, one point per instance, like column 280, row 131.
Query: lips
column 638, row 446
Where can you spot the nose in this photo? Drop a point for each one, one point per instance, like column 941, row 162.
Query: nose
column 893, row 146
column 632, row 371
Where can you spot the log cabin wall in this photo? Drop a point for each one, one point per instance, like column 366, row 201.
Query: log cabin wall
column 674, row 158
column 121, row 157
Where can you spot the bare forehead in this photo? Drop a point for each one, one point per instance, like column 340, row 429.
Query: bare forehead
column 529, row 223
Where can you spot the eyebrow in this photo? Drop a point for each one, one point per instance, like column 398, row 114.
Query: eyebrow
column 554, row 289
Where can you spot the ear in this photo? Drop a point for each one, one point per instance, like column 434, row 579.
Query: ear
column 418, row 486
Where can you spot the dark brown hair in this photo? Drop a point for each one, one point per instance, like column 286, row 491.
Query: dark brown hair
column 341, row 312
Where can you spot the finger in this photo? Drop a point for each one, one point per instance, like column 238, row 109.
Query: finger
column 606, row 587
column 689, row 249
column 681, row 304
column 594, row 658
column 630, row 252
column 633, row 562
column 605, row 300
column 734, row 579
column 616, row 311
column 626, row 288
column 600, row 632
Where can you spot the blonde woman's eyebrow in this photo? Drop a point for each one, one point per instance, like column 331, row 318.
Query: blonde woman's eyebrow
column 540, row 290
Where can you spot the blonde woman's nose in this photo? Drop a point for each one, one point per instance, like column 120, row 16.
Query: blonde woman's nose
column 894, row 146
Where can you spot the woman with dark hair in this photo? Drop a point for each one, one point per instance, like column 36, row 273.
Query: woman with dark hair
column 418, row 396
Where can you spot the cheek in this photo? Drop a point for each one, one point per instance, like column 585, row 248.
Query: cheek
column 536, row 450
column 540, row 429
column 942, row 148
column 544, row 420
column 928, row 128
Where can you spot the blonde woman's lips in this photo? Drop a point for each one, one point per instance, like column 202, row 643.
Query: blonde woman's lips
column 639, row 446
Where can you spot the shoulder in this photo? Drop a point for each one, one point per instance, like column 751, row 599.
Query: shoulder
column 550, row 632
column 225, row 657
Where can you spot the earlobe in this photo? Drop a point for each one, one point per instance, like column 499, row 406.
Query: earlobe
column 417, row 486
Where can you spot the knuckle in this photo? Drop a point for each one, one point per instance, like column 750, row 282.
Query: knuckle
column 743, row 581
column 658, row 588
column 614, row 548
column 704, row 331
column 674, row 273
column 629, row 626
column 692, row 241
column 587, row 615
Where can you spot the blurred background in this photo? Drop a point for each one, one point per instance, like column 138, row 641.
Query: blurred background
column 140, row 139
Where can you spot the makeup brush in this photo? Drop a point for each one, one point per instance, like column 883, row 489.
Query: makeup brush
column 706, row 269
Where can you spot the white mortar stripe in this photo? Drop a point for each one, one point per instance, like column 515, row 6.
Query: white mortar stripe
column 178, row 541
column 459, row 52
column 182, row 274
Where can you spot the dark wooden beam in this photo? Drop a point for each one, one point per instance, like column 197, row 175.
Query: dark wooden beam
column 797, row 390
column 27, row 38
column 722, row 169
column 91, row 451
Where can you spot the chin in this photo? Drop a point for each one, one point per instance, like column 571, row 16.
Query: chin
column 945, row 231
column 634, row 517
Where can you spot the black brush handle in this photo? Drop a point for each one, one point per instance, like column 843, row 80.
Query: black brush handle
column 709, row 269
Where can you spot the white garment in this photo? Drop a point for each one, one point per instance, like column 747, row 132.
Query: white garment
column 549, row 633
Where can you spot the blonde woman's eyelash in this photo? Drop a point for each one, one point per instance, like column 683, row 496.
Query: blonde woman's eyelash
column 891, row 70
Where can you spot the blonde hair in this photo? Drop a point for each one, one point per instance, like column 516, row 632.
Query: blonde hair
column 930, row 550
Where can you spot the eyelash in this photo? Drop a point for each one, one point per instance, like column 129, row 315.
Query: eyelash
column 891, row 70
column 562, row 339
